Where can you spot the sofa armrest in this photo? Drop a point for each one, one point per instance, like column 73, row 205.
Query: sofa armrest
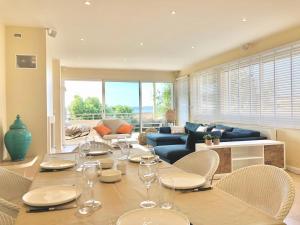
column 165, row 130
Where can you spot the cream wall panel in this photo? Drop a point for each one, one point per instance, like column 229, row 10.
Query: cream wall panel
column 2, row 90
column 26, row 88
column 119, row 75
column 275, row 40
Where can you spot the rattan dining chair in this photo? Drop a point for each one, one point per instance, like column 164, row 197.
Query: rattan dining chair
column 265, row 187
column 204, row 163
column 13, row 186
column 6, row 219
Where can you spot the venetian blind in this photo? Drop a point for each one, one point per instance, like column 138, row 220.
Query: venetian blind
column 262, row 89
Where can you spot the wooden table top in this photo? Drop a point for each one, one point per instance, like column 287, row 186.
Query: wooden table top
column 213, row 207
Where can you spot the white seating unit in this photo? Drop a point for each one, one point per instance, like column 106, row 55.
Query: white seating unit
column 239, row 154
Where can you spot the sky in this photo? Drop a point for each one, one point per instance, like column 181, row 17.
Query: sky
column 117, row 93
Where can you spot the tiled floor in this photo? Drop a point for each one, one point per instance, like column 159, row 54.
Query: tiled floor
column 293, row 217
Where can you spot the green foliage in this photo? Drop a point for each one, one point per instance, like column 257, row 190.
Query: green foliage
column 90, row 105
column 122, row 109
column 207, row 137
column 163, row 100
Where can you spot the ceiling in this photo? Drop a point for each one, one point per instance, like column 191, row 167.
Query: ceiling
column 113, row 30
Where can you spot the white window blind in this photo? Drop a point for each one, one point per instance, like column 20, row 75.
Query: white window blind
column 262, row 89
column 182, row 100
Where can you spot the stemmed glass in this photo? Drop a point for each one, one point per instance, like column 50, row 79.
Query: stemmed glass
column 91, row 170
column 147, row 174
column 125, row 148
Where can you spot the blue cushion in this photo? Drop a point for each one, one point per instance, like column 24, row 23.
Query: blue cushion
column 184, row 138
column 165, row 130
column 171, row 152
column 223, row 127
column 216, row 133
column 241, row 133
column 156, row 139
column 250, row 133
column 193, row 138
column 191, row 127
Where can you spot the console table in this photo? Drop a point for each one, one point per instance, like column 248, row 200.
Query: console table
column 238, row 154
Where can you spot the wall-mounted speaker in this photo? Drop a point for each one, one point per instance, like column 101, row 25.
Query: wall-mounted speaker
column 51, row 32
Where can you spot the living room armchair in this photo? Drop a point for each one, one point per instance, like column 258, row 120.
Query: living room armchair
column 110, row 129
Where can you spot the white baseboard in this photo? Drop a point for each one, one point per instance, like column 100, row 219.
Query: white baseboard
column 293, row 169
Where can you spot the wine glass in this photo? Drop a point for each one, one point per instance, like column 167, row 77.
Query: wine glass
column 147, row 174
column 125, row 148
column 91, row 170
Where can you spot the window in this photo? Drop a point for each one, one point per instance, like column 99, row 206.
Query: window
column 182, row 100
column 262, row 89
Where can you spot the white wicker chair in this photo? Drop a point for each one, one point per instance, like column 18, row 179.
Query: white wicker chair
column 204, row 163
column 13, row 186
column 6, row 219
column 267, row 188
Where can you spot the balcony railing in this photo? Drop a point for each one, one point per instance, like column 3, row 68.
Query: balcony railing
column 132, row 118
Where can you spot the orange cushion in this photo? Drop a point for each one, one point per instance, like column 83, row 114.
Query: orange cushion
column 102, row 130
column 125, row 129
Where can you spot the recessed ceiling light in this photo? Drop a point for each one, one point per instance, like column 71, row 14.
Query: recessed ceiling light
column 81, row 39
column 173, row 12
column 142, row 44
column 87, row 2
column 244, row 20
column 193, row 46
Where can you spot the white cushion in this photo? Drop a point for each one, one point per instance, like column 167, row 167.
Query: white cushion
column 113, row 124
column 215, row 129
column 115, row 136
column 201, row 129
column 177, row 130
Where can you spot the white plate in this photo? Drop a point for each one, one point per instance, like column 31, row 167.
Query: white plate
column 153, row 216
column 98, row 152
column 183, row 180
column 50, row 195
column 56, row 164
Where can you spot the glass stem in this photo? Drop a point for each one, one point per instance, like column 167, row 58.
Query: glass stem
column 148, row 192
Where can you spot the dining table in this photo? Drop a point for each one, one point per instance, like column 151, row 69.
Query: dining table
column 210, row 207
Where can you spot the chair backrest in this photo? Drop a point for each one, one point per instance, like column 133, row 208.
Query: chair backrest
column 113, row 124
column 204, row 163
column 13, row 185
column 265, row 187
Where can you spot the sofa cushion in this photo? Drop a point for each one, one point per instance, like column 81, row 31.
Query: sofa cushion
column 165, row 130
column 193, row 138
column 240, row 133
column 125, row 129
column 184, row 138
column 172, row 152
column 177, row 130
column 163, row 139
column 191, row 127
column 223, row 127
column 102, row 130
column 113, row 124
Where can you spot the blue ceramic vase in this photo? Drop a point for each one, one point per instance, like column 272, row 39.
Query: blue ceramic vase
column 17, row 140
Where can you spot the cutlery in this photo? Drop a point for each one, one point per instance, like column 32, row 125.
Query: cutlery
column 196, row 189
column 52, row 208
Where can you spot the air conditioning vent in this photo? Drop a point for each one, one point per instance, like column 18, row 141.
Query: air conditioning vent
column 26, row 61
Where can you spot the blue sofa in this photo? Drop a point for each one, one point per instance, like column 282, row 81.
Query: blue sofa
column 171, row 147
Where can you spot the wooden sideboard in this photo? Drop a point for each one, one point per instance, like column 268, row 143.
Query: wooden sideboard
column 238, row 154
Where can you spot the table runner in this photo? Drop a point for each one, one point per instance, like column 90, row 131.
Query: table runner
column 212, row 207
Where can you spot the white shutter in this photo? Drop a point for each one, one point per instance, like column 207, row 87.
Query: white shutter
column 296, row 83
column 262, row 89
column 182, row 100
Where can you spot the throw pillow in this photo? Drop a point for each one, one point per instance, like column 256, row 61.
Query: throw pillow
column 124, row 129
column 223, row 127
column 191, row 127
column 102, row 130
column 216, row 129
column 177, row 130
column 201, row 129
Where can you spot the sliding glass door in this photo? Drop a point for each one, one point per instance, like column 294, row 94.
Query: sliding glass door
column 142, row 104
column 156, row 99
column 122, row 101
